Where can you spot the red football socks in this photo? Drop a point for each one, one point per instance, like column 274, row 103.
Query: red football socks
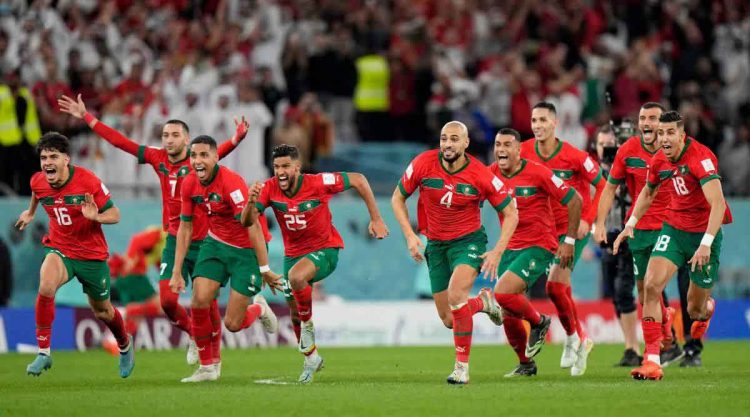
column 202, row 334
column 172, row 308
column 215, row 317
column 143, row 309
column 251, row 314
column 117, row 327
column 475, row 305
column 45, row 315
column 304, row 303
column 579, row 327
column 517, row 337
column 652, row 335
column 519, row 305
column 557, row 293
column 463, row 325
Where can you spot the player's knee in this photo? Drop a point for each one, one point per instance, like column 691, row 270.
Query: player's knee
column 298, row 282
column 47, row 289
column 447, row 321
column 695, row 311
column 233, row 325
column 104, row 314
column 652, row 288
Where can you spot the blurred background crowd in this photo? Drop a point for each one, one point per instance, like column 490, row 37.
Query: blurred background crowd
column 322, row 74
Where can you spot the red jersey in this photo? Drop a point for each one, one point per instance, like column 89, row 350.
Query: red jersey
column 534, row 186
column 222, row 199
column 304, row 217
column 450, row 201
column 573, row 166
column 69, row 232
column 631, row 165
column 688, row 209
column 145, row 249
column 170, row 176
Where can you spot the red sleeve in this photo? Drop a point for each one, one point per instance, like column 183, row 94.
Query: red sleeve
column 264, row 199
column 117, row 139
column 141, row 243
column 226, row 148
column 188, row 206
column 495, row 191
column 703, row 166
column 101, row 195
column 332, row 182
column 617, row 171
column 235, row 190
column 653, row 179
column 590, row 216
column 554, row 186
column 590, row 169
column 410, row 180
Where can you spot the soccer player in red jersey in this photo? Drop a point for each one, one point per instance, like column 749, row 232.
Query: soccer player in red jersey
column 631, row 167
column 691, row 233
column 532, row 248
column 77, row 204
column 171, row 165
column 578, row 170
column 311, row 242
column 231, row 254
column 452, row 185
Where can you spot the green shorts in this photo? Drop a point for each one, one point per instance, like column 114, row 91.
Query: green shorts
column 221, row 263
column 93, row 275
column 641, row 245
column 167, row 259
column 134, row 289
column 529, row 264
column 580, row 244
column 679, row 246
column 325, row 261
column 443, row 256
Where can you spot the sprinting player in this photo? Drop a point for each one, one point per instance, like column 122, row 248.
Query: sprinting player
column 311, row 242
column 630, row 166
column 578, row 170
column 231, row 253
column 532, row 248
column 171, row 165
column 77, row 204
column 452, row 185
column 131, row 286
column 691, row 233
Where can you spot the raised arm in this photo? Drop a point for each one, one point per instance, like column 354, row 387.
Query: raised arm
column 377, row 227
column 28, row 215
column 77, row 109
column 230, row 144
column 413, row 242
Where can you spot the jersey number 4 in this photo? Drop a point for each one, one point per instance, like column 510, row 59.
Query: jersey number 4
column 295, row 222
column 63, row 218
column 447, row 199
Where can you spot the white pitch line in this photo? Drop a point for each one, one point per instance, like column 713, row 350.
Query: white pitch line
column 276, row 381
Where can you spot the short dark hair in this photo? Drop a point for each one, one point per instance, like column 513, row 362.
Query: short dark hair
column 653, row 105
column 178, row 122
column 53, row 141
column 545, row 105
column 671, row 117
column 604, row 129
column 285, row 150
column 204, row 140
column 510, row 132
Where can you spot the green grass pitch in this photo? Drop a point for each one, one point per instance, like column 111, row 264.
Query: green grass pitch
column 374, row 382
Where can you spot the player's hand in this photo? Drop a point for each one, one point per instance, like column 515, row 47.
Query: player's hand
column 177, row 283
column 253, row 193
column 600, row 233
column 583, row 229
column 378, row 229
column 491, row 262
column 414, row 243
column 24, row 220
column 242, row 126
column 273, row 280
column 89, row 208
column 700, row 258
column 627, row 232
column 565, row 253
column 74, row 108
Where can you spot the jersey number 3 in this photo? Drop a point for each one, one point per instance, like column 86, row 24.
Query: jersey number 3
column 295, row 222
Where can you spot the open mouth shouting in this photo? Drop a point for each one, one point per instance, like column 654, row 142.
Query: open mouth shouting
column 201, row 172
column 284, row 182
column 50, row 172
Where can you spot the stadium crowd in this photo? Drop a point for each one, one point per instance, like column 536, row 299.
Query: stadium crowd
column 314, row 73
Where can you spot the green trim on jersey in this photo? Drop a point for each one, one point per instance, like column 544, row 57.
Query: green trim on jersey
column 436, row 183
column 280, row 206
column 71, row 171
column 615, row 181
column 564, row 174
column 440, row 159
column 402, row 189
column 297, row 186
column 709, row 178
column 108, row 205
column 598, row 178
column 184, row 218
column 568, row 196
column 635, row 162
column 518, row 171
column 553, row 154
column 503, row 204
column 347, row 183
column 214, row 173
column 142, row 154
column 525, row 191
column 643, row 145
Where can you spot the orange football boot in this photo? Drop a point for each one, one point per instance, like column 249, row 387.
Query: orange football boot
column 649, row 370
column 698, row 329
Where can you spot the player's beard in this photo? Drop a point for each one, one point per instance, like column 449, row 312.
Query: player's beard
column 455, row 158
